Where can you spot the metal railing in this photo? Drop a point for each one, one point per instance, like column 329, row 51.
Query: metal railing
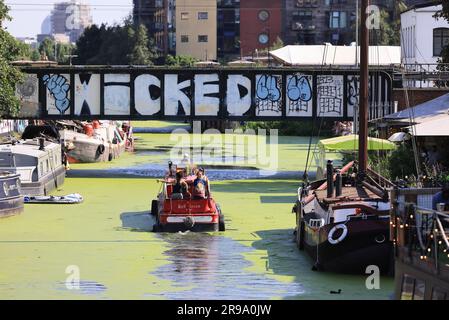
column 423, row 232
column 423, row 75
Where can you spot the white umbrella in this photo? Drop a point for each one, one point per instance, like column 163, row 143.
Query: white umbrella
column 399, row 137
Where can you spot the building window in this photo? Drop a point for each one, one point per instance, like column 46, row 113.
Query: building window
column 203, row 15
column 184, row 39
column 440, row 40
column 263, row 15
column 337, row 19
column 184, row 16
column 263, row 38
column 203, row 38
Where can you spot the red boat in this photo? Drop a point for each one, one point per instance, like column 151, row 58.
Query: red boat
column 174, row 215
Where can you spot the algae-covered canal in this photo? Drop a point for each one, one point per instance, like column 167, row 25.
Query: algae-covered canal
column 109, row 239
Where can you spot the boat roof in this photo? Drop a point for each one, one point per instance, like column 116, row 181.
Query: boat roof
column 351, row 142
column 28, row 148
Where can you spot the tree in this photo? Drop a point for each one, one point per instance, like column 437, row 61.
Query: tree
column 10, row 50
column 180, row 61
column 141, row 53
column 56, row 51
column 126, row 44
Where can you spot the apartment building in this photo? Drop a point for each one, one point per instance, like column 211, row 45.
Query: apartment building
column 196, row 26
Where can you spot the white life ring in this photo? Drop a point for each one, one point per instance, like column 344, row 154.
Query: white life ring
column 330, row 236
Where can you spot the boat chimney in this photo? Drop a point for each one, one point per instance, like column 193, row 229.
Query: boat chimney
column 41, row 144
column 330, row 179
column 338, row 184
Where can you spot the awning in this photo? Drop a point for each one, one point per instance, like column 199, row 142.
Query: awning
column 438, row 127
column 422, row 112
column 351, row 142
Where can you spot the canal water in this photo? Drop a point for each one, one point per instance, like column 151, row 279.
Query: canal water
column 108, row 239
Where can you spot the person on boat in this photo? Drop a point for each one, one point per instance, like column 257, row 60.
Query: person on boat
column 201, row 185
column 180, row 188
column 187, row 163
column 441, row 197
column 171, row 172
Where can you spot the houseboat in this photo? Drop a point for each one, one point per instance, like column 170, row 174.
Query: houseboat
column 93, row 142
column 342, row 222
column 11, row 199
column 37, row 161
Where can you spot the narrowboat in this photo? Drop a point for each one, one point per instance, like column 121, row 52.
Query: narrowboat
column 38, row 162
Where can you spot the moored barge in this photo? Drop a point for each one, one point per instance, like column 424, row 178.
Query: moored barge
column 11, row 199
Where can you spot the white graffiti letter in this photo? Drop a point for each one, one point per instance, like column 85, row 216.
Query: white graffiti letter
column 206, row 86
column 147, row 94
column 176, row 101
column 238, row 95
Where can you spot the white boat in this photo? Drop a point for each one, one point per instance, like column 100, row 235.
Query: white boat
column 103, row 144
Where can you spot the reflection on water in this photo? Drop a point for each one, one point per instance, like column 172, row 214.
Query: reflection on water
column 158, row 170
column 213, row 267
column 86, row 288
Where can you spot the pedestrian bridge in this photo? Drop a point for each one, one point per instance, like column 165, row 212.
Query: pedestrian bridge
column 241, row 94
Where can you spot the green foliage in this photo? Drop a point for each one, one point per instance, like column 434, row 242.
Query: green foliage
column 180, row 61
column 56, row 51
column 293, row 128
column 10, row 50
column 402, row 162
column 125, row 44
column 389, row 33
column 277, row 44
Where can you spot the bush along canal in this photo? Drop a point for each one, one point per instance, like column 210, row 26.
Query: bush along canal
column 108, row 240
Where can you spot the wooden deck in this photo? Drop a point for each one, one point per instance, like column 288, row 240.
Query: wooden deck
column 348, row 193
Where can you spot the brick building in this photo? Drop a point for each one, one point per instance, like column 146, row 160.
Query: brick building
column 260, row 24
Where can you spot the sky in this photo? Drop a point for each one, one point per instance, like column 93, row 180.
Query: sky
column 28, row 15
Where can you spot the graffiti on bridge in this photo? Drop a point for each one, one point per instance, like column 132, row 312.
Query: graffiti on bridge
column 223, row 94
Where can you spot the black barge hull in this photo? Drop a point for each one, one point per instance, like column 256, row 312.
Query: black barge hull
column 366, row 244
